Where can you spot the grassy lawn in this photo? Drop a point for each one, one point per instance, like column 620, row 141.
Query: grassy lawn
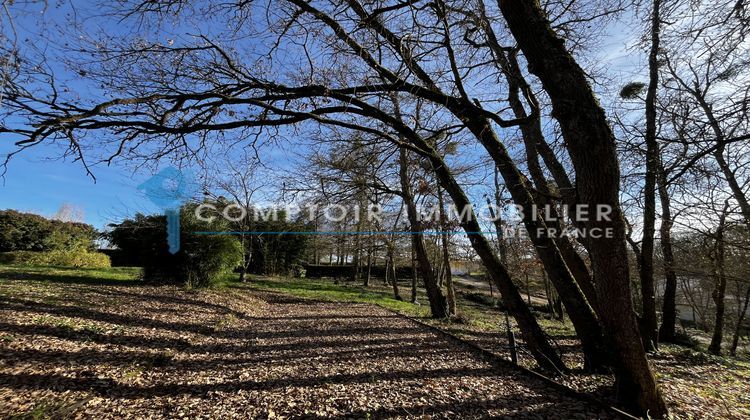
column 477, row 314
column 113, row 275
column 327, row 290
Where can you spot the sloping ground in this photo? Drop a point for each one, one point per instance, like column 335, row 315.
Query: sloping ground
column 695, row 384
column 108, row 351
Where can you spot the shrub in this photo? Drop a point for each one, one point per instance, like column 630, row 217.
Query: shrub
column 200, row 260
column 77, row 258
column 205, row 257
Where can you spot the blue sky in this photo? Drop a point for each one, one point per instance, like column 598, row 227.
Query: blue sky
column 36, row 183
column 37, row 180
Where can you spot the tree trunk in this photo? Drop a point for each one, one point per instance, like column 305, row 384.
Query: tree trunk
column 498, row 220
column 340, row 251
column 592, row 148
column 451, row 293
column 357, row 251
column 532, row 135
column 731, row 178
column 247, row 251
column 368, row 276
column 536, row 340
column 738, row 327
column 387, row 268
column 581, row 313
column 391, row 269
column 559, row 311
column 649, row 321
column 548, row 246
column 720, row 289
column 414, row 276
column 438, row 303
column 669, row 305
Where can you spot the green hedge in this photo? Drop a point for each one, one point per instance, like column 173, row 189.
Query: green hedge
column 78, row 259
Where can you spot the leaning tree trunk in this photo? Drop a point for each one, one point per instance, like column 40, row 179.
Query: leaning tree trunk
column 669, row 305
column 536, row 340
column 438, row 303
column 649, row 322
column 591, row 144
column 533, row 138
column 566, row 268
column 580, row 311
column 390, row 270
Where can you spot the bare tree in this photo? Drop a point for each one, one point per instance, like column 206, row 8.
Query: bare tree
column 240, row 180
column 182, row 95
column 591, row 145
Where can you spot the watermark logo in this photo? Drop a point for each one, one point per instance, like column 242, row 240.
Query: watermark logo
column 546, row 220
column 169, row 189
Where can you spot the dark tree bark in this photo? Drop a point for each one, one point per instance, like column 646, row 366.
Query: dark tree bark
column 580, row 311
column 669, row 306
column 720, row 288
column 536, row 340
column 646, row 264
column 534, row 141
column 414, row 276
column 451, row 293
column 438, row 303
column 742, row 310
column 532, row 136
column 591, row 145
column 390, row 270
column 730, row 176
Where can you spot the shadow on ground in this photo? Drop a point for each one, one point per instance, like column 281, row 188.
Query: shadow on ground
column 132, row 350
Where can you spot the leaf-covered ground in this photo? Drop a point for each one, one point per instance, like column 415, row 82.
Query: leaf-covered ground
column 696, row 385
column 74, row 347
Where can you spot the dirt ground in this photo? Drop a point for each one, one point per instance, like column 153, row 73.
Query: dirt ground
column 113, row 351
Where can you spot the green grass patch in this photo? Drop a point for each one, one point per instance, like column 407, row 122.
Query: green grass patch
column 342, row 292
column 471, row 313
column 110, row 275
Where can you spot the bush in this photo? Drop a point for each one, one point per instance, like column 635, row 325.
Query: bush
column 200, row 261
column 78, row 259
column 205, row 257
